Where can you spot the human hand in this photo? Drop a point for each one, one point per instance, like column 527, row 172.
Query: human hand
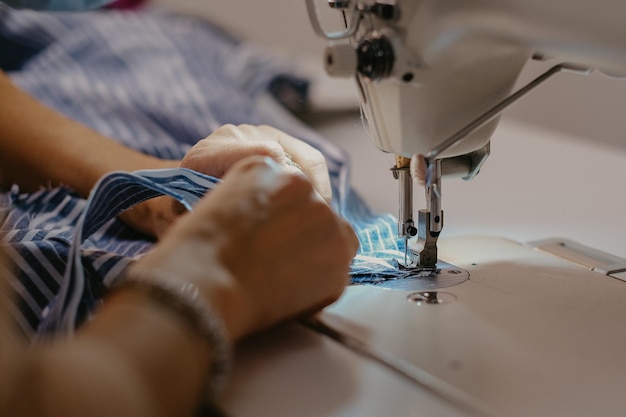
column 262, row 247
column 217, row 153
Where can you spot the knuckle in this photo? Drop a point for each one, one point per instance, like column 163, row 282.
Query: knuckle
column 247, row 129
column 268, row 129
column 273, row 150
column 229, row 131
column 225, row 128
column 220, row 131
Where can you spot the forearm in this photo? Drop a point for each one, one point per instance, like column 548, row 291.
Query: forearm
column 41, row 147
column 134, row 359
column 168, row 356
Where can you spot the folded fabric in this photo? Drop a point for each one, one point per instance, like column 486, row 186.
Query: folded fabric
column 157, row 83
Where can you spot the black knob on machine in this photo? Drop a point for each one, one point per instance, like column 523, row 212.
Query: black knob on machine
column 375, row 58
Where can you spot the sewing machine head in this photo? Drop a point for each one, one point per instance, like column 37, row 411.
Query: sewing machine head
column 432, row 73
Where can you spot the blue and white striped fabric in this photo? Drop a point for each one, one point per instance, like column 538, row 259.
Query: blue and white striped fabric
column 113, row 194
column 157, row 83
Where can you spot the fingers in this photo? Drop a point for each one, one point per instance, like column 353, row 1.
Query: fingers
column 254, row 190
column 216, row 154
column 285, row 250
column 310, row 160
column 288, row 195
column 237, row 142
column 251, row 182
column 291, row 251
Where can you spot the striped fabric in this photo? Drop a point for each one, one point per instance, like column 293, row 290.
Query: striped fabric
column 75, row 299
column 157, row 83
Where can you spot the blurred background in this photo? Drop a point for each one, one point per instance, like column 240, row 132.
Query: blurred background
column 558, row 156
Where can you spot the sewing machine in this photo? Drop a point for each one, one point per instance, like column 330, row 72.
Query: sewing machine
column 537, row 328
column 433, row 78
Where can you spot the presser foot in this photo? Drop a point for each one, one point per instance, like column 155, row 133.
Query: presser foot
column 424, row 279
column 421, row 252
column 421, row 270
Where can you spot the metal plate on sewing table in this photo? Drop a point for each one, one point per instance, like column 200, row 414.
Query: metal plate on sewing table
column 445, row 275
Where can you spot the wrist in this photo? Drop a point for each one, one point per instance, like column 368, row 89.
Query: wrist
column 216, row 285
column 184, row 302
column 166, row 357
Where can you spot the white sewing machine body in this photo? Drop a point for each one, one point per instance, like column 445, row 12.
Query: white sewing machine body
column 437, row 65
column 433, row 78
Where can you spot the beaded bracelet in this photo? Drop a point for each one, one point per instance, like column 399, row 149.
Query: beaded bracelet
column 186, row 300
